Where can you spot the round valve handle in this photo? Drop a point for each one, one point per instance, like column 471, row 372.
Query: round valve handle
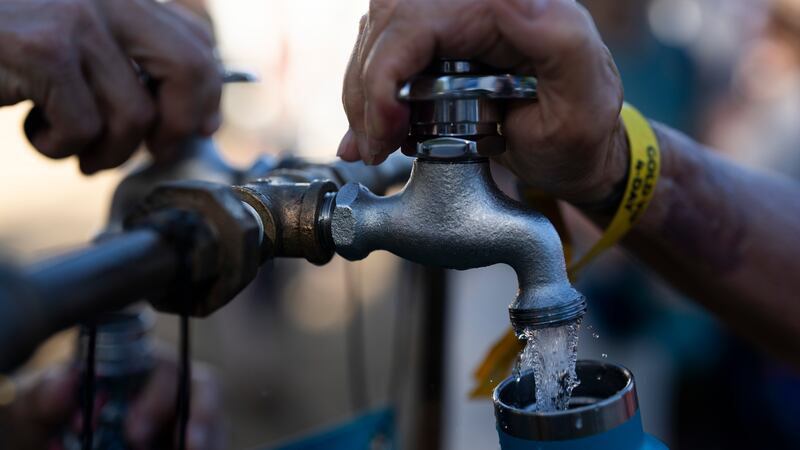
column 459, row 79
column 454, row 87
column 456, row 109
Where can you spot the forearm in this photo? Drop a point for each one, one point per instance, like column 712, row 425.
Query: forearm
column 728, row 237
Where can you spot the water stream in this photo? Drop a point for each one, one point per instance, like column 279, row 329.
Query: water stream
column 551, row 353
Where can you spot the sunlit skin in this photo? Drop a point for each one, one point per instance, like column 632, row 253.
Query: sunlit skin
column 727, row 236
column 46, row 404
column 74, row 60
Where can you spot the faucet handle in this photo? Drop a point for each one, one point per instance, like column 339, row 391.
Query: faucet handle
column 456, row 87
column 461, row 100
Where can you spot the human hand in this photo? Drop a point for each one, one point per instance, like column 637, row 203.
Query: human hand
column 151, row 420
column 75, row 60
column 46, row 404
column 569, row 143
column 38, row 409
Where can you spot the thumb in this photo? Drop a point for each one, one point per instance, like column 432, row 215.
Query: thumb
column 11, row 88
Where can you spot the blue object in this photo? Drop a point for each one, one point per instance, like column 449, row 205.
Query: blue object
column 361, row 433
column 603, row 413
column 628, row 436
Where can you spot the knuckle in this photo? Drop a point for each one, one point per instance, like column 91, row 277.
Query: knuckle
column 382, row 9
column 369, row 80
column 77, row 12
column 69, row 8
column 50, row 47
column 85, row 130
column 196, row 64
column 179, row 125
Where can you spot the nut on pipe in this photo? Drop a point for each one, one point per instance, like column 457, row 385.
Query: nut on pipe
column 291, row 214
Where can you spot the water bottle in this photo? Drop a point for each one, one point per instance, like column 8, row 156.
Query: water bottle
column 124, row 360
column 603, row 414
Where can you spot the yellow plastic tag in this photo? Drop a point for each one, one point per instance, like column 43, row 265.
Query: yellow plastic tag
column 642, row 178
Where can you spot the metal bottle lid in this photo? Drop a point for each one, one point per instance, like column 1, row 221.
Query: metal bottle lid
column 605, row 399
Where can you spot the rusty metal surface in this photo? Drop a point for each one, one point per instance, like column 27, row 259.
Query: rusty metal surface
column 229, row 257
column 289, row 211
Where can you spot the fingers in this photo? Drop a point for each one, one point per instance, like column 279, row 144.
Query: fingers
column 400, row 52
column 67, row 120
column 568, row 57
column 360, row 142
column 49, row 400
column 153, row 413
column 125, row 103
column 204, row 431
column 154, row 409
column 353, row 101
column 189, row 80
column 196, row 16
column 76, row 66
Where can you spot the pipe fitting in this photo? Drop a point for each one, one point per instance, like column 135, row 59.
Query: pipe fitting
column 290, row 213
column 453, row 215
column 216, row 236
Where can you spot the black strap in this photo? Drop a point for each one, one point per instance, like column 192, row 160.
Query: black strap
column 184, row 380
column 87, row 432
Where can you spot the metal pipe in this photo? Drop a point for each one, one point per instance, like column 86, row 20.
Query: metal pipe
column 453, row 215
column 105, row 276
column 62, row 291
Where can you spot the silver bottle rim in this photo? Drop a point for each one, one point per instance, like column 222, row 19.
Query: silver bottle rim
column 605, row 399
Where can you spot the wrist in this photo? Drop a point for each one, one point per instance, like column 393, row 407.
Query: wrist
column 604, row 191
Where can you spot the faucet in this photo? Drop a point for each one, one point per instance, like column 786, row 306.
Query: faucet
column 191, row 246
column 451, row 213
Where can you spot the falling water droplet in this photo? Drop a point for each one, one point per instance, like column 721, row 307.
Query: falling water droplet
column 579, row 423
column 596, row 335
column 551, row 354
column 604, row 355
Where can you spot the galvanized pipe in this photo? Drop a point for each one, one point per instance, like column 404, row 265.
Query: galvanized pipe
column 60, row 292
column 453, row 215
column 105, row 276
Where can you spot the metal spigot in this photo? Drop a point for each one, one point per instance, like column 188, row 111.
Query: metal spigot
column 451, row 213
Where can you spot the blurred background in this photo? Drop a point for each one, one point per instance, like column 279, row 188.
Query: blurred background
column 725, row 71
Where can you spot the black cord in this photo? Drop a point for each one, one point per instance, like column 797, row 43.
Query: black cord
column 355, row 340
column 184, row 378
column 87, row 433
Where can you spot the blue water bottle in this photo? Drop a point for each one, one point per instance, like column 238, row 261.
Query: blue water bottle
column 603, row 414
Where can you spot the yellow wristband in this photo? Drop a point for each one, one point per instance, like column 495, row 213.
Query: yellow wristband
column 645, row 167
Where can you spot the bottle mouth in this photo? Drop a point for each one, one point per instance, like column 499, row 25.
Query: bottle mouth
column 605, row 399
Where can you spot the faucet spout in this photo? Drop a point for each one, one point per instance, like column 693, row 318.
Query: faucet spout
column 451, row 214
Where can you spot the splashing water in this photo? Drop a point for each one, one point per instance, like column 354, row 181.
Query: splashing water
column 551, row 353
